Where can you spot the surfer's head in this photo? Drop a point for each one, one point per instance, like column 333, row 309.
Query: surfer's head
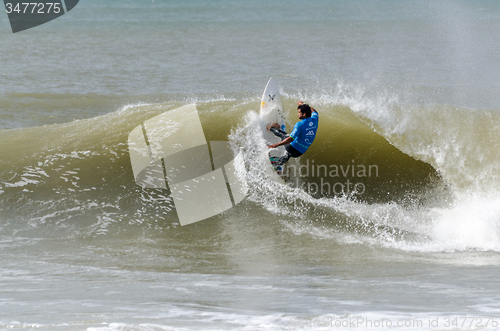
column 304, row 111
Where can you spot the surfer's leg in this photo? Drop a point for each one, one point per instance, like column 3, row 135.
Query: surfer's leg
column 279, row 133
column 290, row 152
column 282, row 160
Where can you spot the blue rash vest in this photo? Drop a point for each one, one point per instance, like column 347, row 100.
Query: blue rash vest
column 304, row 132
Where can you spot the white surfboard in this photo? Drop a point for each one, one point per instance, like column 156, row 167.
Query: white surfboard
column 271, row 111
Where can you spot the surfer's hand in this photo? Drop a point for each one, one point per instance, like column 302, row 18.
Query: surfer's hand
column 300, row 102
column 272, row 146
column 274, row 125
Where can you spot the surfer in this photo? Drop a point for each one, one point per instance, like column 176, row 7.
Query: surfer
column 302, row 136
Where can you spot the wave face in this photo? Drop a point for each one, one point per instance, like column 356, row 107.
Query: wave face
column 379, row 172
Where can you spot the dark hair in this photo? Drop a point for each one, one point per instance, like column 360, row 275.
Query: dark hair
column 305, row 109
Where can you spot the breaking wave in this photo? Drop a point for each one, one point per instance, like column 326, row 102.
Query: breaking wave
column 419, row 178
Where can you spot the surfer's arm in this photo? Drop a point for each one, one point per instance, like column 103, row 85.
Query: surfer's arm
column 281, row 143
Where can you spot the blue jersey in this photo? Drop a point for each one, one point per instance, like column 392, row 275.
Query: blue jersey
column 304, row 132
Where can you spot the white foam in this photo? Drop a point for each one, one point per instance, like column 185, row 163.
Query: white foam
column 471, row 223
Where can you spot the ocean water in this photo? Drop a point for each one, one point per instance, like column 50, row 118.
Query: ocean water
column 406, row 90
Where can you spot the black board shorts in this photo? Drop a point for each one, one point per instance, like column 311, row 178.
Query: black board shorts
column 292, row 151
